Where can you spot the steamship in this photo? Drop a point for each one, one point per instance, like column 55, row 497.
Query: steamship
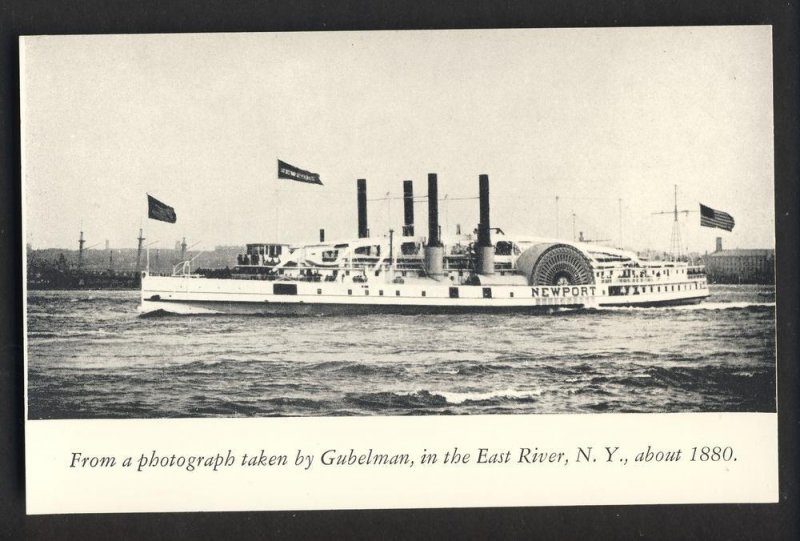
column 480, row 271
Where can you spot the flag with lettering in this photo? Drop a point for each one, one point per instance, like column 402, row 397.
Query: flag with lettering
column 156, row 210
column 291, row 172
column 715, row 218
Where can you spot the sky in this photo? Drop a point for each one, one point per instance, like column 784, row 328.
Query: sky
column 607, row 120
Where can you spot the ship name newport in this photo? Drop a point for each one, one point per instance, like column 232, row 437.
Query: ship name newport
column 564, row 291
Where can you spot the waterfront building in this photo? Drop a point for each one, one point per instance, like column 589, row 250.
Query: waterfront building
column 738, row 266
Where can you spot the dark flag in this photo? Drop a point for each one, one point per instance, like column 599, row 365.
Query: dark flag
column 156, row 210
column 291, row 172
column 715, row 218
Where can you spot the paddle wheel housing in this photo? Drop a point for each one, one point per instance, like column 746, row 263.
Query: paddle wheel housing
column 550, row 264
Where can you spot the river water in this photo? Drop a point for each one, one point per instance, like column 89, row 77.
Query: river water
column 91, row 356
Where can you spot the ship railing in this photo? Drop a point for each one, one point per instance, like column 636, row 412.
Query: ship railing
column 184, row 270
column 655, row 280
column 636, row 280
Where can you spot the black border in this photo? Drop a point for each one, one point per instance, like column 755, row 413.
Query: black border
column 771, row 521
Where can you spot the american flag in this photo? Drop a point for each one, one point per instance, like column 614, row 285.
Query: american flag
column 715, row 218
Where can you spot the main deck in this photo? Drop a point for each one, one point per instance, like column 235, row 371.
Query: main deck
column 198, row 295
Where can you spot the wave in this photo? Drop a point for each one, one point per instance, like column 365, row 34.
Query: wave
column 71, row 335
column 304, row 403
column 83, row 299
column 738, row 305
column 490, row 396
column 391, row 400
column 155, row 314
column 357, row 368
column 428, row 399
column 702, row 379
column 481, row 368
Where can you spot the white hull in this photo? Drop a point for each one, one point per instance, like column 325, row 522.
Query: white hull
column 196, row 295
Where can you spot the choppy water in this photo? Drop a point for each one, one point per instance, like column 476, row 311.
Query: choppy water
column 91, row 356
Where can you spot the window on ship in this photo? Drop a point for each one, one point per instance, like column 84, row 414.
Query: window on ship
column 503, row 247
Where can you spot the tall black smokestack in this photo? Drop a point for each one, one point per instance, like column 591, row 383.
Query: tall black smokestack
column 434, row 252
column 408, row 208
column 361, row 189
column 484, row 237
column 322, row 235
column 433, row 211
column 485, row 248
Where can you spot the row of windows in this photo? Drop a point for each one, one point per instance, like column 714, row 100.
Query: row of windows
column 454, row 293
column 636, row 290
column 291, row 289
column 640, row 272
column 366, row 292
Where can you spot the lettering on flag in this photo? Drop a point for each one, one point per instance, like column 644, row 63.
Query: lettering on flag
column 715, row 218
column 156, row 210
column 291, row 172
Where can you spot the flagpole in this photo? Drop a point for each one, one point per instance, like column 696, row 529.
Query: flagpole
column 277, row 213
column 389, row 209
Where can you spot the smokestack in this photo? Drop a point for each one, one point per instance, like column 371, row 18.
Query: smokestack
column 719, row 244
column 322, row 235
column 433, row 211
column 484, row 238
column 434, row 253
column 361, row 192
column 485, row 248
column 408, row 208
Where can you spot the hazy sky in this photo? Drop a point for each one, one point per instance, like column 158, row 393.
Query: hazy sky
column 589, row 115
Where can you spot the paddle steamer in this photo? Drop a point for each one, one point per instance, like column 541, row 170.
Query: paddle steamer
column 485, row 270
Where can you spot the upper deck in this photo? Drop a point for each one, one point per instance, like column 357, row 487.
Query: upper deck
column 403, row 258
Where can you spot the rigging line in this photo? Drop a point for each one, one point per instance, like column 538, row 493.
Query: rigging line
column 425, row 197
column 462, row 198
column 422, row 198
column 573, row 198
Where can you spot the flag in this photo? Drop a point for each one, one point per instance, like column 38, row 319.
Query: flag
column 715, row 218
column 291, row 172
column 156, row 210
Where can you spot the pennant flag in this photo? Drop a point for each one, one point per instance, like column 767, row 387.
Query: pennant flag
column 156, row 210
column 291, row 172
column 715, row 218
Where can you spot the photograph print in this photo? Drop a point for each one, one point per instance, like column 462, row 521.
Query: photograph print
column 543, row 221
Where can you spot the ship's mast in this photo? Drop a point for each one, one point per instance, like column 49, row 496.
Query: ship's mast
column 81, row 242
column 676, row 248
column 139, row 251
column 676, row 243
column 573, row 226
column 183, row 249
column 390, row 274
column 556, row 216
